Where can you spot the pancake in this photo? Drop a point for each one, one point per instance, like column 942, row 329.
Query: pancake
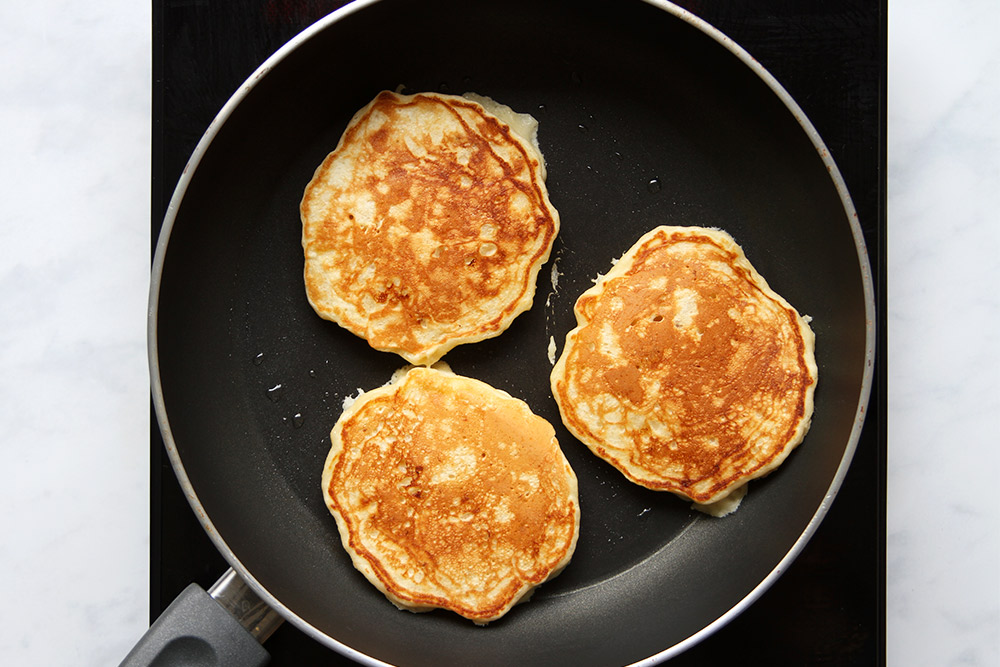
column 686, row 371
column 450, row 494
column 426, row 227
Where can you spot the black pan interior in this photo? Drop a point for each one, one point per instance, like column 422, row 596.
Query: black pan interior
column 644, row 120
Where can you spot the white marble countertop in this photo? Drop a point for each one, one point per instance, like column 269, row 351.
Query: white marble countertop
column 74, row 240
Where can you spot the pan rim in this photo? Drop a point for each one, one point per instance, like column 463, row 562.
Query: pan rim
column 202, row 148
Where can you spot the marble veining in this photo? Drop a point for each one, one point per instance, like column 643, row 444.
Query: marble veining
column 74, row 266
column 943, row 560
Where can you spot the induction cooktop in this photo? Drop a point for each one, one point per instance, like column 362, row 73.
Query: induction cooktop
column 828, row 607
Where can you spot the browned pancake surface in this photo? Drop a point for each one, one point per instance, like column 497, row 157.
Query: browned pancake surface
column 449, row 493
column 426, row 227
column 686, row 371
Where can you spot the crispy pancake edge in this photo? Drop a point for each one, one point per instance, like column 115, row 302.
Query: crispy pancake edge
column 502, row 319
column 806, row 358
column 368, row 564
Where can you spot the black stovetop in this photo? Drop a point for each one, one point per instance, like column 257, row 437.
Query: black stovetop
column 828, row 607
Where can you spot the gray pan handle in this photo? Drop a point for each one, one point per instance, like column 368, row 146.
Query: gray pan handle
column 221, row 628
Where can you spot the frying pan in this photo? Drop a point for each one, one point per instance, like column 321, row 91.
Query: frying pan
column 247, row 381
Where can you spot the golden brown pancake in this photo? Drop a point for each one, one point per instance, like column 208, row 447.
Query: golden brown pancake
column 686, row 371
column 426, row 226
column 450, row 494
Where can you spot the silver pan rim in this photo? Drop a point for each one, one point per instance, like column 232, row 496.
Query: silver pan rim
column 202, row 148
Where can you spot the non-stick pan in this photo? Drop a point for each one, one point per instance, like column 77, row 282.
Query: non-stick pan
column 687, row 129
